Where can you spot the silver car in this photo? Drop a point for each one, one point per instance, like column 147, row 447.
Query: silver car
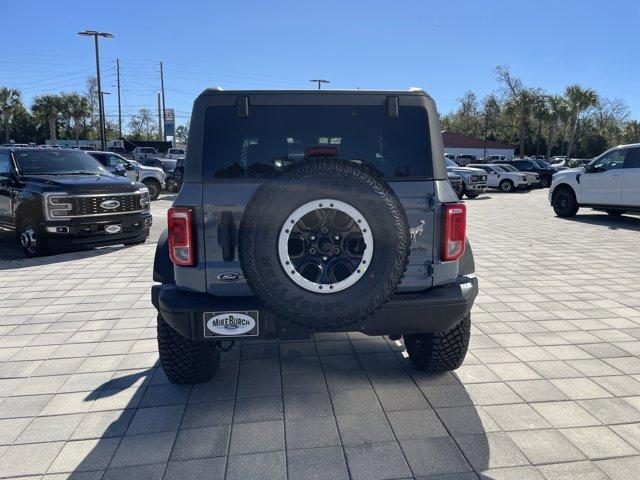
column 153, row 178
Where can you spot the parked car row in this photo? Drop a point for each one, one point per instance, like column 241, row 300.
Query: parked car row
column 504, row 175
column 544, row 170
column 501, row 178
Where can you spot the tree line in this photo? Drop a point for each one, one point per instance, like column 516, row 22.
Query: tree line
column 68, row 115
column 579, row 123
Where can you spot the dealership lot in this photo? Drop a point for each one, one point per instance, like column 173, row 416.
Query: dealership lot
column 549, row 390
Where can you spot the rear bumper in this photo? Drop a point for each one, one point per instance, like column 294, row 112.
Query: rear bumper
column 434, row 310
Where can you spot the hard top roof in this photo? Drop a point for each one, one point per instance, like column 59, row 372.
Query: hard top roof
column 219, row 91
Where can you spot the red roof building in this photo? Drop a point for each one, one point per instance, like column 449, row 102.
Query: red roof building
column 458, row 144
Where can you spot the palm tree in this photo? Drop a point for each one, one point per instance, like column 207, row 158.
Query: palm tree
column 46, row 109
column 632, row 132
column 519, row 101
column 9, row 101
column 77, row 108
column 541, row 113
column 557, row 111
column 579, row 99
column 520, row 105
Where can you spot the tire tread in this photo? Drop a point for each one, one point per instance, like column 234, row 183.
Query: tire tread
column 183, row 360
column 440, row 351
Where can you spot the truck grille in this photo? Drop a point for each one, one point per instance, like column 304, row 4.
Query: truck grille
column 94, row 205
column 478, row 178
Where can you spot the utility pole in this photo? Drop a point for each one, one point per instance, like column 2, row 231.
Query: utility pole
column 486, row 132
column 95, row 35
column 104, row 114
column 164, row 136
column 319, row 81
column 159, row 117
column 119, row 106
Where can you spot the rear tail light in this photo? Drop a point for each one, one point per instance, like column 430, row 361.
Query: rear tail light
column 181, row 241
column 455, row 227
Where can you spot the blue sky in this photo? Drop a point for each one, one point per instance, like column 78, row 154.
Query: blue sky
column 446, row 48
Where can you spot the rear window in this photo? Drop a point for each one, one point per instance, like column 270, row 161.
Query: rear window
column 273, row 137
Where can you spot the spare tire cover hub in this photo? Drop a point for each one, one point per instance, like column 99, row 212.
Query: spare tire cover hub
column 325, row 246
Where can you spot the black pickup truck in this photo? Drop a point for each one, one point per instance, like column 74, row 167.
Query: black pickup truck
column 64, row 199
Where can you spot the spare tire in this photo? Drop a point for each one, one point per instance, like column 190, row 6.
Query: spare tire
column 324, row 243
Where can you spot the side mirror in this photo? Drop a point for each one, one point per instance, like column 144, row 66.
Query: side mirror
column 128, row 166
column 120, row 171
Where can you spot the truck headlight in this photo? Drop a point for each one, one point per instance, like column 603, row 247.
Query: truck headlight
column 145, row 199
column 57, row 205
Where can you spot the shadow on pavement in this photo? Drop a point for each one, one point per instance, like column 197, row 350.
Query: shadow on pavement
column 625, row 222
column 14, row 259
column 464, row 446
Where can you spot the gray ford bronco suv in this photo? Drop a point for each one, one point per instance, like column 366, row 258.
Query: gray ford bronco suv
column 313, row 211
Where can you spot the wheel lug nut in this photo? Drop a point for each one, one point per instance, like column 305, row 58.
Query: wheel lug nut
column 312, row 251
column 336, row 251
column 337, row 237
column 324, row 230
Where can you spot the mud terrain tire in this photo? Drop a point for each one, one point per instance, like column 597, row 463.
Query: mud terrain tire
column 183, row 360
column 440, row 351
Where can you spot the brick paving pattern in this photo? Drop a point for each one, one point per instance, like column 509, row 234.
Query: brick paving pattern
column 550, row 388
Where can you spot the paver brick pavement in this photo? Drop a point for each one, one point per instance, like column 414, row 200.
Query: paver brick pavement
column 550, row 388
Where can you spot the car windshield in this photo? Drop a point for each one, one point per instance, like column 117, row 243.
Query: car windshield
column 451, row 163
column 499, row 168
column 274, row 136
column 509, row 168
column 542, row 163
column 58, row 162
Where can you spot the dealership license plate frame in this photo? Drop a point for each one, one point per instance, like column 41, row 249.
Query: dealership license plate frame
column 254, row 332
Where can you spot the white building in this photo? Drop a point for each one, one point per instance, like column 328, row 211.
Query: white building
column 458, row 144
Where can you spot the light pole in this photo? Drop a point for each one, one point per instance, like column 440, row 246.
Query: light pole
column 95, row 35
column 319, row 81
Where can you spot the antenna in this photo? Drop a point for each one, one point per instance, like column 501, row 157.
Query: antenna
column 319, row 81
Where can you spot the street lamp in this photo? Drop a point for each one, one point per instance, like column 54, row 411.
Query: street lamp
column 95, row 35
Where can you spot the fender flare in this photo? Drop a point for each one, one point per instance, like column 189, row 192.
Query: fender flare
column 568, row 187
column 162, row 265
column 466, row 263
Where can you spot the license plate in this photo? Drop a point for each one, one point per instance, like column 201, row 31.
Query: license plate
column 111, row 229
column 231, row 324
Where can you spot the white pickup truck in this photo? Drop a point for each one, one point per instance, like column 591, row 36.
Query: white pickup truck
column 176, row 154
column 501, row 178
column 610, row 183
